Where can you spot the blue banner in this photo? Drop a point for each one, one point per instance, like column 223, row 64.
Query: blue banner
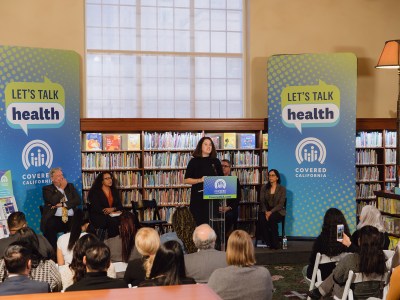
column 39, row 119
column 311, row 126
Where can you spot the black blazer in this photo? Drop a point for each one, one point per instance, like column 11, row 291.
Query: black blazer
column 52, row 196
column 98, row 201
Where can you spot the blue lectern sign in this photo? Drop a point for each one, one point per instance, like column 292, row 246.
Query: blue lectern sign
column 220, row 187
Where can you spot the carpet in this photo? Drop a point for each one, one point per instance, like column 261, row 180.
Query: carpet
column 288, row 281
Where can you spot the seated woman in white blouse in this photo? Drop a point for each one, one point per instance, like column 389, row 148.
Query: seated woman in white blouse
column 66, row 242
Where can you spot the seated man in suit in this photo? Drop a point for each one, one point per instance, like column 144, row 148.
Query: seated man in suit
column 97, row 261
column 60, row 200
column 18, row 264
column 201, row 264
column 15, row 222
column 231, row 208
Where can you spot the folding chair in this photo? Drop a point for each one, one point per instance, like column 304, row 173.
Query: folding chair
column 355, row 278
column 148, row 207
column 321, row 259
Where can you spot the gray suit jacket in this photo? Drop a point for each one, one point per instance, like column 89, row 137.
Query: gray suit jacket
column 21, row 284
column 201, row 264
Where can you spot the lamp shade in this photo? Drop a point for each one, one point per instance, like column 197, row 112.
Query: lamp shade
column 390, row 56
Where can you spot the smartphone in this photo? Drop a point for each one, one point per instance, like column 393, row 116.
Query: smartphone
column 339, row 232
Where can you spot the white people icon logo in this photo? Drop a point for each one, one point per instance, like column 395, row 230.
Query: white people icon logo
column 220, row 184
column 37, row 153
column 310, row 150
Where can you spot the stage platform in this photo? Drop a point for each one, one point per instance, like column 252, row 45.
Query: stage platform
column 297, row 252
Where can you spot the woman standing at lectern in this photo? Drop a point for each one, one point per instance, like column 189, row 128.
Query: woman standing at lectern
column 204, row 163
column 272, row 209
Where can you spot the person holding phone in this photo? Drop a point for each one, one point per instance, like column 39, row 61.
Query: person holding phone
column 204, row 163
column 334, row 227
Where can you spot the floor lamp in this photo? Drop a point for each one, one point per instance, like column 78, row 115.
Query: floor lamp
column 390, row 59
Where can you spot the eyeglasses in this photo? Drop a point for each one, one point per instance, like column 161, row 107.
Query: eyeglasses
column 106, row 178
column 272, row 175
column 226, row 166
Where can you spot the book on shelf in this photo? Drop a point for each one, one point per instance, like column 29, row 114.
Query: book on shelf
column 112, row 142
column 216, row 138
column 247, row 141
column 265, row 141
column 131, row 141
column 229, row 140
column 93, row 142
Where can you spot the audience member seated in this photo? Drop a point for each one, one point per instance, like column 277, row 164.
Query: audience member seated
column 66, row 242
column 168, row 267
column 241, row 279
column 42, row 268
column 97, row 261
column 272, row 210
column 371, row 216
column 76, row 270
column 105, row 204
column 122, row 247
column 147, row 242
column 60, row 200
column 202, row 263
column 326, row 243
column 369, row 260
column 183, row 225
column 18, row 264
column 15, row 222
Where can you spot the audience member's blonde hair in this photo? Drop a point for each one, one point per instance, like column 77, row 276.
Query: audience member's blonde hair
column 147, row 242
column 240, row 250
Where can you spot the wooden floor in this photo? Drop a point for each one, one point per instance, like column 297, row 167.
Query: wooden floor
column 297, row 252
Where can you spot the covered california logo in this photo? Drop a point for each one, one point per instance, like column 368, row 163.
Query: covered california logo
column 32, row 105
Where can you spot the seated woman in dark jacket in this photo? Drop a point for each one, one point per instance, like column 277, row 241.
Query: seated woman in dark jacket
column 326, row 243
column 370, row 216
column 104, row 202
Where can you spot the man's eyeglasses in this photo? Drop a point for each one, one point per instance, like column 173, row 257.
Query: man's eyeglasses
column 226, row 166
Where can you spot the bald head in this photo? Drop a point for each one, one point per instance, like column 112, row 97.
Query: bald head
column 204, row 237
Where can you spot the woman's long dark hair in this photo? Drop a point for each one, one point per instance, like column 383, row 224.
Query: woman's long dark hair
column 169, row 262
column 372, row 257
column 28, row 238
column 127, row 232
column 184, row 225
column 77, row 265
column 79, row 219
column 198, row 153
column 328, row 236
column 268, row 185
column 98, row 182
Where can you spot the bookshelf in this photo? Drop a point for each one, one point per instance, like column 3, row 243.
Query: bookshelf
column 389, row 205
column 157, row 169
column 375, row 159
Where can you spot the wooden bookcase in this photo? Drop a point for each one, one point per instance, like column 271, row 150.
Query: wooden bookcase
column 148, row 179
column 375, row 162
column 248, row 206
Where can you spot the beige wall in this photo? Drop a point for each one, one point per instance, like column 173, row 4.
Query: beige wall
column 310, row 26
column 275, row 27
